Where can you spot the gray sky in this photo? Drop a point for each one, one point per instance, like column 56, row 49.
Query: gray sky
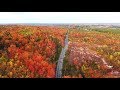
column 59, row 17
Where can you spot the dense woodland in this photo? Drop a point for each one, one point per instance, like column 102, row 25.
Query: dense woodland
column 33, row 51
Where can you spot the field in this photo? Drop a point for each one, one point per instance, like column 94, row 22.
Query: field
column 33, row 52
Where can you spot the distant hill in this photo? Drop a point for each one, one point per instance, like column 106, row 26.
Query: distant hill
column 99, row 25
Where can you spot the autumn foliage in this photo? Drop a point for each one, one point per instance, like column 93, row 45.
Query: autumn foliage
column 29, row 51
column 93, row 53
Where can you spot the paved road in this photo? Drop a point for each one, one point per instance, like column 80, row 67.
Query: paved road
column 61, row 58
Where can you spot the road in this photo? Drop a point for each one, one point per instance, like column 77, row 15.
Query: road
column 61, row 58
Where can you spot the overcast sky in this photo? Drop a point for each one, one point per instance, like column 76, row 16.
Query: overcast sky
column 59, row 17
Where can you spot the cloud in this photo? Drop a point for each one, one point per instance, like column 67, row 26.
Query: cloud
column 59, row 17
